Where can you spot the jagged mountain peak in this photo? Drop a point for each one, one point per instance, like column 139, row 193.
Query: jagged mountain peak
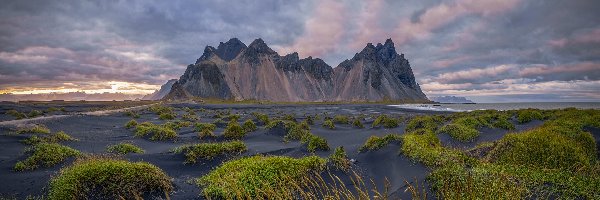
column 259, row 46
column 230, row 49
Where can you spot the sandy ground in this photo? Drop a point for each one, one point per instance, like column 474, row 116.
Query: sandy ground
column 95, row 131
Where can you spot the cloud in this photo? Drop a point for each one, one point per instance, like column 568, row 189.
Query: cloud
column 460, row 47
column 322, row 31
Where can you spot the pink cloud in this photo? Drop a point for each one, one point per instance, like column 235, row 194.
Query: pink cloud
column 544, row 69
column 475, row 73
column 592, row 36
column 367, row 26
column 322, row 31
column 446, row 13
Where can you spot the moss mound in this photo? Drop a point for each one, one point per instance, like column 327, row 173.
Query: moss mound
column 158, row 132
column 209, row 151
column 124, row 148
column 47, row 155
column 257, row 176
column 375, row 142
column 102, row 178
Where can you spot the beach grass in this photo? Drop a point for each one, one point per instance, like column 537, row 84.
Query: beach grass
column 110, row 178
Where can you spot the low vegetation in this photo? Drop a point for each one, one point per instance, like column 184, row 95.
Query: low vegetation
column 262, row 118
column 429, row 123
column 157, row 131
column 35, row 113
column 16, row 114
column 234, row 131
column 258, row 177
column 124, row 148
column 328, row 124
column 209, row 151
column 460, row 132
column 36, row 129
column 341, row 119
column 133, row 114
column 205, row 130
column 166, row 116
column 527, row 115
column 386, row 121
column 357, row 123
column 49, row 138
column 314, row 143
column 131, row 123
column 375, row 142
column 46, row 155
column 106, row 178
column 249, row 126
column 190, row 117
column 339, row 159
column 301, row 132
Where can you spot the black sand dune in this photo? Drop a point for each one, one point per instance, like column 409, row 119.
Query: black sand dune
column 97, row 132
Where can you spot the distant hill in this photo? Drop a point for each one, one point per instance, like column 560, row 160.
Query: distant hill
column 256, row 72
column 70, row 96
column 159, row 94
column 451, row 99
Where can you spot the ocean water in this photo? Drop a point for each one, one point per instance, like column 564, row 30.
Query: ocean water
column 499, row 106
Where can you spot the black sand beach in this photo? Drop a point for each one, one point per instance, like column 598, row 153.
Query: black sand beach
column 95, row 133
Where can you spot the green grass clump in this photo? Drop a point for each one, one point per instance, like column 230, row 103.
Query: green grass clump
column 158, row 109
column 46, row 155
column 386, row 121
column 232, row 117
column 314, row 143
column 16, row 114
column 131, row 123
column 289, row 117
column 234, row 131
column 133, row 114
column 427, row 148
column 527, row 115
column 50, row 138
column 249, row 126
column 166, row 116
column 339, row 159
column 263, row 118
column 546, row 147
column 258, row 177
column 460, row 132
column 205, row 130
column 310, row 120
column 341, row 119
column 103, row 178
column 503, row 123
column 457, row 182
column 375, row 143
column 356, row 123
column 124, row 148
column 189, row 117
column 35, row 113
column 158, row 132
column 329, row 124
column 428, row 123
column 37, row 129
column 208, row 151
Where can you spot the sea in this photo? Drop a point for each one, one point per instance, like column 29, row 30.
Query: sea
column 499, row 106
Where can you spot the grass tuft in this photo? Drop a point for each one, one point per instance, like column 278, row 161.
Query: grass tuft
column 158, row 132
column 328, row 124
column 249, row 126
column 234, row 131
column 375, row 143
column 339, row 159
column 209, row 151
column 104, row 178
column 36, row 129
column 257, row 177
column 124, row 148
column 131, row 123
column 46, row 155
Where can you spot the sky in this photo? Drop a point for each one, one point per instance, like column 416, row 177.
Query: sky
column 485, row 50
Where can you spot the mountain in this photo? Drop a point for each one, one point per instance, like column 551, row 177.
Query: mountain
column 159, row 94
column 451, row 99
column 256, row 72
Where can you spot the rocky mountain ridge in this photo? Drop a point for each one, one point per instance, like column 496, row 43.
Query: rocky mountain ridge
column 256, row 72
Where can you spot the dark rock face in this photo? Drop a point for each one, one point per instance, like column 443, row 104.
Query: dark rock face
column 234, row 71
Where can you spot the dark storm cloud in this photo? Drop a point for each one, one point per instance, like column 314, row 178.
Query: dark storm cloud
column 454, row 46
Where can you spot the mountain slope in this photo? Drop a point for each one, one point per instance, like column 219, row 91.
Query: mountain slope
column 236, row 71
column 164, row 90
